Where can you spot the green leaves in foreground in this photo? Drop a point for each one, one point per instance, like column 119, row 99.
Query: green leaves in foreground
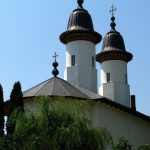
column 121, row 144
column 144, row 147
column 56, row 125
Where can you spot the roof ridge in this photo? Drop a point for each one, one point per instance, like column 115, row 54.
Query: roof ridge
column 36, row 86
column 76, row 87
column 44, row 85
column 64, row 86
column 53, row 86
column 68, row 83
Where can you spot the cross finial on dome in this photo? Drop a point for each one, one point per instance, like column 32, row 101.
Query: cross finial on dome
column 55, row 56
column 80, row 2
column 112, row 12
column 113, row 9
column 55, row 72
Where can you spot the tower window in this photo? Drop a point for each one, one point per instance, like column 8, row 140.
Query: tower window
column 92, row 61
column 73, row 60
column 108, row 77
column 126, row 79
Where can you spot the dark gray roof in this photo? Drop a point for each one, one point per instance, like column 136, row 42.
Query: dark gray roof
column 59, row 87
column 80, row 27
column 80, row 19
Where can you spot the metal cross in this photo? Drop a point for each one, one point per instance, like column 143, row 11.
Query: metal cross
column 55, row 56
column 112, row 10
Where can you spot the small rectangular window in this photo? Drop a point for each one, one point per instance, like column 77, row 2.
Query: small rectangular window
column 126, row 79
column 93, row 61
column 108, row 77
column 73, row 60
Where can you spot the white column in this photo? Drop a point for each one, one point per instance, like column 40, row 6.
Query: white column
column 83, row 73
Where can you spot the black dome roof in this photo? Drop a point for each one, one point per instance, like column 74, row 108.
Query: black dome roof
column 113, row 41
column 80, row 27
column 80, row 19
column 113, row 46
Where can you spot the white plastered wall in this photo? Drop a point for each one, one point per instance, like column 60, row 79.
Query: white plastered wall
column 117, row 89
column 120, row 123
column 82, row 73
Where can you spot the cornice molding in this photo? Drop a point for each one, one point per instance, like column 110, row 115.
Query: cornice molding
column 74, row 35
column 114, row 55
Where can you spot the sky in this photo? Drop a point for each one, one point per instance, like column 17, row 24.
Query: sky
column 29, row 36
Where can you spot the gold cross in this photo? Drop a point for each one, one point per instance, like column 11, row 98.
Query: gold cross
column 55, row 56
column 112, row 10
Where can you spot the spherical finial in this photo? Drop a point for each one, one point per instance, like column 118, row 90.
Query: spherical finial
column 55, row 64
column 113, row 24
column 80, row 2
column 55, row 72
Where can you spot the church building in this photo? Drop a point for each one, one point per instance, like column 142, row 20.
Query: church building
column 113, row 106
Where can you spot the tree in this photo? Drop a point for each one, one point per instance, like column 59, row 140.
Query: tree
column 56, row 126
column 16, row 96
column 16, row 102
column 121, row 144
column 1, row 112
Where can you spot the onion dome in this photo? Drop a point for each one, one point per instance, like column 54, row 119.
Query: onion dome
column 80, row 27
column 113, row 46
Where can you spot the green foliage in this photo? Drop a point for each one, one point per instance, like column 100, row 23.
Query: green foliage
column 121, row 144
column 1, row 112
column 16, row 103
column 16, row 97
column 144, row 147
column 56, row 125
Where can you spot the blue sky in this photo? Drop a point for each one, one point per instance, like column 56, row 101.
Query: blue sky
column 29, row 35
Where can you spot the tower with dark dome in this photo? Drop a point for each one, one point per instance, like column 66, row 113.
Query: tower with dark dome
column 80, row 39
column 113, row 59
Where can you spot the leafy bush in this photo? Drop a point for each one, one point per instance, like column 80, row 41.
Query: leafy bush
column 121, row 144
column 55, row 126
column 144, row 147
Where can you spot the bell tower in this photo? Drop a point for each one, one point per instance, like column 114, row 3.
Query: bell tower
column 114, row 59
column 81, row 39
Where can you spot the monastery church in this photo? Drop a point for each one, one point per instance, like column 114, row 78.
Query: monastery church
column 113, row 106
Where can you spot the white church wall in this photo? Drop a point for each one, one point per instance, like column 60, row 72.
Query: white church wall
column 121, row 123
column 82, row 76
column 117, row 88
column 83, row 73
column 83, row 50
column 29, row 105
column 117, row 68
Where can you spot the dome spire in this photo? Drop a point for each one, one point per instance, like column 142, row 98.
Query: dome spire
column 112, row 12
column 55, row 72
column 80, row 2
